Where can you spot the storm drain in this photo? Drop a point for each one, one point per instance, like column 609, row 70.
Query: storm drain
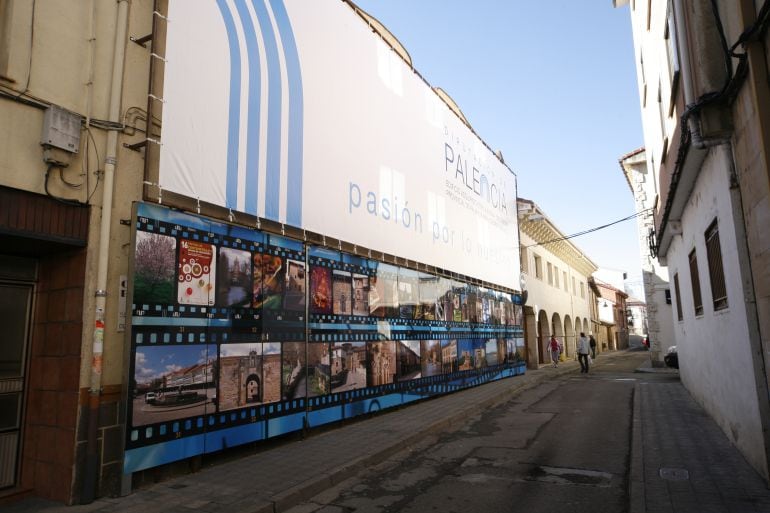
column 674, row 474
column 569, row 476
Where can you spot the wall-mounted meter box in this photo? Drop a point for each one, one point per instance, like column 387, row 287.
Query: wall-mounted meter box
column 61, row 129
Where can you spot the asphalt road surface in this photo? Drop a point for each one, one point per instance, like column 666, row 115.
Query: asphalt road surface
column 561, row 446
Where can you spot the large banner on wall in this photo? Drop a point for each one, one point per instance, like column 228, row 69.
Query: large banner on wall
column 298, row 112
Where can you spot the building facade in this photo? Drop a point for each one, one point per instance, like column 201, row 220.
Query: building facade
column 560, row 301
column 702, row 72
column 657, row 289
column 613, row 322
column 81, row 110
column 73, row 91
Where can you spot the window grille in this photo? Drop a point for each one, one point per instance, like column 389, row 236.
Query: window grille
column 678, row 297
column 716, row 270
column 695, row 282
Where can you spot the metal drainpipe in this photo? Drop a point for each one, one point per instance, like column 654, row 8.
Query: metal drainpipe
column 116, row 90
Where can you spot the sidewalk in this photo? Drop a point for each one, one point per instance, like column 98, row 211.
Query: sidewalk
column 682, row 462
column 276, row 479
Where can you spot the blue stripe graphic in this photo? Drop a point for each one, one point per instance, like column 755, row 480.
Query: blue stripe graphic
column 296, row 108
column 252, row 127
column 231, row 191
column 273, row 179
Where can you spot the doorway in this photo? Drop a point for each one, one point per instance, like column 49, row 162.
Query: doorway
column 15, row 311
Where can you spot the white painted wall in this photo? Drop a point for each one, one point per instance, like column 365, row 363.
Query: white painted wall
column 714, row 351
column 653, row 77
column 552, row 299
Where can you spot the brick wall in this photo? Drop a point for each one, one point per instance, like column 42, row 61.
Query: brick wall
column 54, row 375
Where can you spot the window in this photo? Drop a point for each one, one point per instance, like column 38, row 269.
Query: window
column 663, row 117
column 566, row 285
column 574, row 290
column 524, row 260
column 695, row 282
column 644, row 79
column 556, row 277
column 550, row 274
column 5, row 36
column 538, row 267
column 649, row 13
column 716, row 270
column 582, row 290
column 673, row 57
column 678, row 295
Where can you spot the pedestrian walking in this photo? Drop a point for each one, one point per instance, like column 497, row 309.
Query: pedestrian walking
column 583, row 350
column 554, row 346
column 592, row 343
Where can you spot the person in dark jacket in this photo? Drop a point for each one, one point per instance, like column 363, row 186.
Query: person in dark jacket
column 592, row 343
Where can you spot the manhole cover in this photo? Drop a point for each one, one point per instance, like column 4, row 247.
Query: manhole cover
column 674, row 474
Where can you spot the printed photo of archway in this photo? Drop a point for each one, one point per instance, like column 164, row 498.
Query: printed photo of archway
column 348, row 370
column 408, row 360
column 173, row 382
column 242, row 370
column 430, row 357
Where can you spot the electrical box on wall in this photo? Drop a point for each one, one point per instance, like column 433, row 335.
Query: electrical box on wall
column 61, row 129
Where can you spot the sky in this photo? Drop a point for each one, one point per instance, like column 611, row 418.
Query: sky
column 552, row 85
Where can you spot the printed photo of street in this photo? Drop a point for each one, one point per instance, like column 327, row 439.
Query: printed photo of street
column 173, row 382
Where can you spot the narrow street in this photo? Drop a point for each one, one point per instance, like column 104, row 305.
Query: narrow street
column 561, row 446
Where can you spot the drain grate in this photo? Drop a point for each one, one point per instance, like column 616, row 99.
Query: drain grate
column 674, row 474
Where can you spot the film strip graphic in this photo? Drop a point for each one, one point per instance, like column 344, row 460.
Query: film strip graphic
column 178, row 232
column 420, row 388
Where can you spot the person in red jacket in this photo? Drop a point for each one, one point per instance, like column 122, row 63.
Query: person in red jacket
column 554, row 346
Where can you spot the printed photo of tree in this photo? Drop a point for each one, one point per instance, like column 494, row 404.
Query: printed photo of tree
column 154, row 268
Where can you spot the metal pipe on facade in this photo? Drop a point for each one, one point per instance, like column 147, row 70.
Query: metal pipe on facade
column 116, row 91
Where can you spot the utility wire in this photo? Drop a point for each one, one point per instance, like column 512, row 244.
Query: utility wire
column 590, row 230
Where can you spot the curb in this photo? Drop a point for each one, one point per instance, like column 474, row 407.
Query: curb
column 636, row 497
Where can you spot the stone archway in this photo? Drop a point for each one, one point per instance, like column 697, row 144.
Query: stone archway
column 531, row 337
column 543, row 334
column 569, row 336
column 556, row 327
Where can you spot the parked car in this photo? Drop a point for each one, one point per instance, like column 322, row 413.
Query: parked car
column 672, row 358
column 150, row 397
